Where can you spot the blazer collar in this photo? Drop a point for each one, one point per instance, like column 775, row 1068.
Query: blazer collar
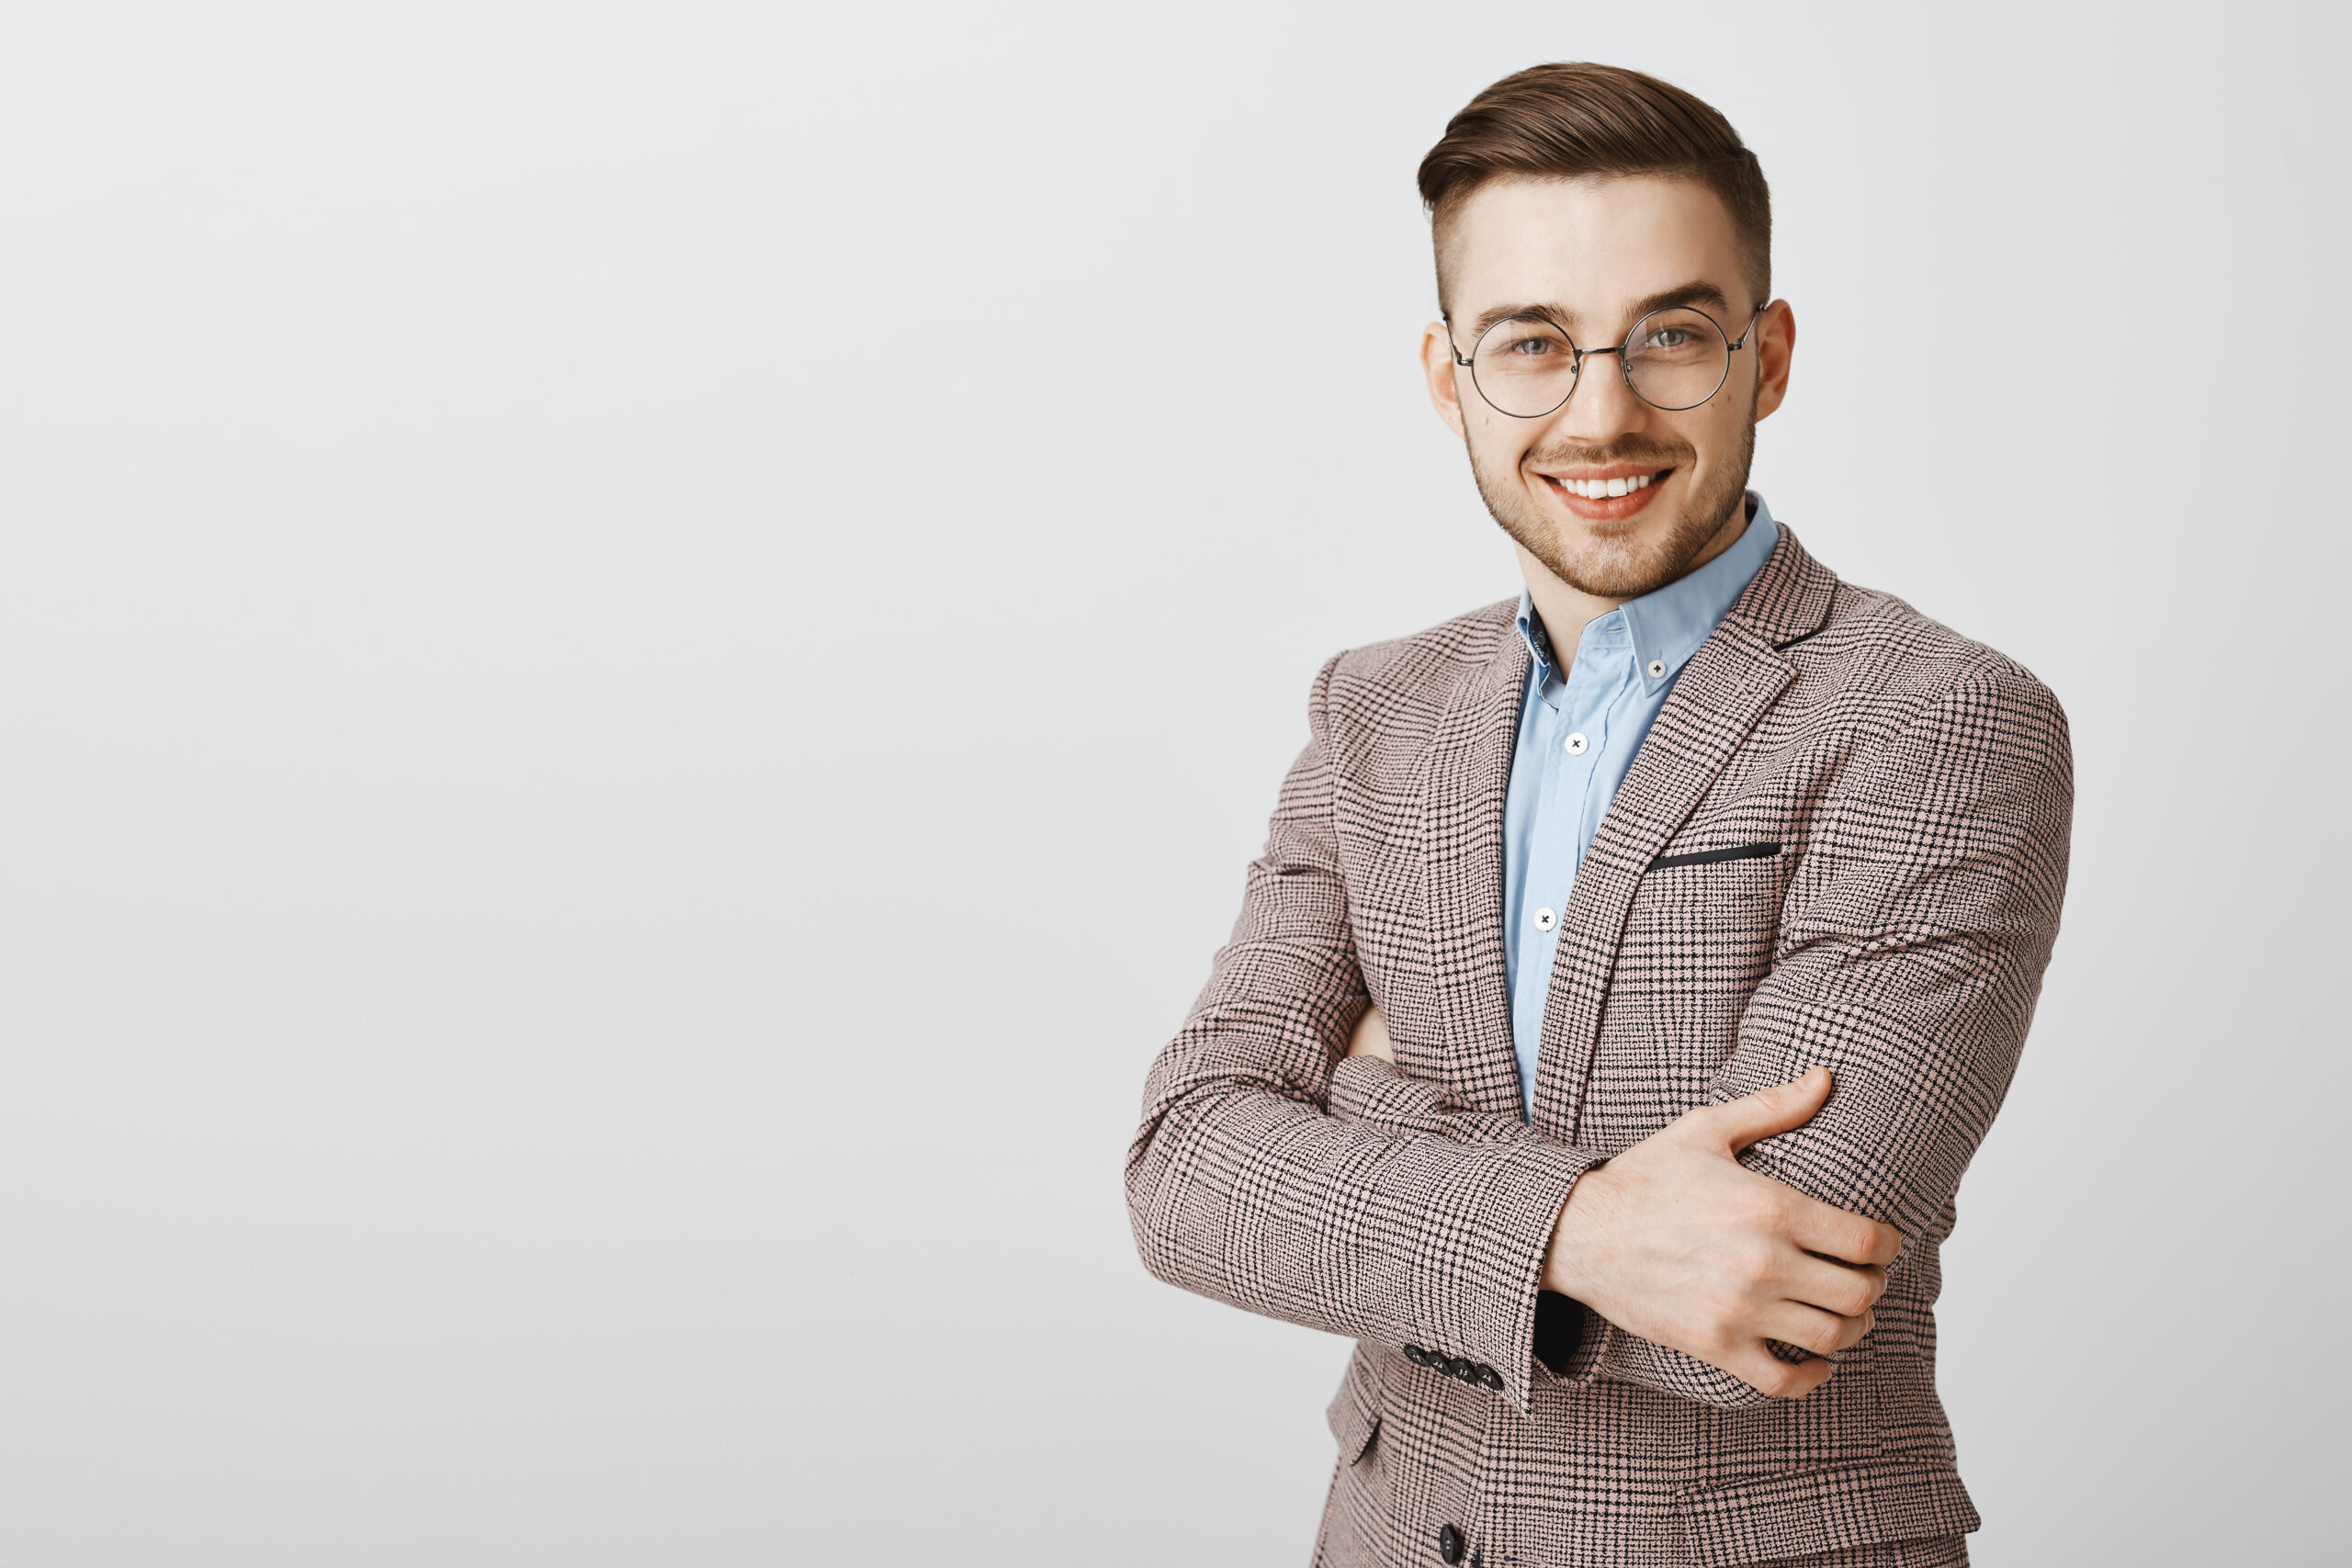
column 1788, row 600
column 1467, row 780
column 1734, row 676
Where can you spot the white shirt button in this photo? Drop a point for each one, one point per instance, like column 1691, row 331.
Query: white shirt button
column 1658, row 668
column 1575, row 744
column 1546, row 920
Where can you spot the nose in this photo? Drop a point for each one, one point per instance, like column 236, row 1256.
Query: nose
column 1602, row 407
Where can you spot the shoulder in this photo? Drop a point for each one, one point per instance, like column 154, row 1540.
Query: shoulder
column 1894, row 669
column 1405, row 685
column 1410, row 678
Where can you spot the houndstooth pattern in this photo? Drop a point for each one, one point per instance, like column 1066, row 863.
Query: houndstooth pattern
column 1921, row 787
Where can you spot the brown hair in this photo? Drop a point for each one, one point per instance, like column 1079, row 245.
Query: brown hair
column 1574, row 121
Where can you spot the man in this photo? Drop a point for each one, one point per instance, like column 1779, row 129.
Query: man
column 1631, row 969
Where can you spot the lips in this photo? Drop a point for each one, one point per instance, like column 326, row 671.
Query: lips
column 1604, row 495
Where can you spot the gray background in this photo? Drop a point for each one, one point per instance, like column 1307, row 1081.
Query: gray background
column 640, row 647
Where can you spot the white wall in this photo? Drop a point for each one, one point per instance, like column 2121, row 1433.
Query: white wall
column 640, row 647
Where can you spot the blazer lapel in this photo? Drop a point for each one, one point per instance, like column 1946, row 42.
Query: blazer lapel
column 1736, row 675
column 1462, row 846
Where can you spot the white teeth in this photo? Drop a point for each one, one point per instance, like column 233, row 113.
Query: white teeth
column 1595, row 490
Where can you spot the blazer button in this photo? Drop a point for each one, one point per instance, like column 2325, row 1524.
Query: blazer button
column 1416, row 1355
column 1449, row 1545
column 1491, row 1378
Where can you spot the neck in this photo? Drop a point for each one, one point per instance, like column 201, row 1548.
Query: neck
column 1566, row 610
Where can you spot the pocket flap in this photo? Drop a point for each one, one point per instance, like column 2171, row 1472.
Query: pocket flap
column 1825, row 1508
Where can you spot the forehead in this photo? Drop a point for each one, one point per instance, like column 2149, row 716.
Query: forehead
column 1587, row 247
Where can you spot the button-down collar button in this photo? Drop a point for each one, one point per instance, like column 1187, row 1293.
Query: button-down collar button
column 1658, row 668
column 1546, row 920
column 1575, row 744
column 1449, row 1545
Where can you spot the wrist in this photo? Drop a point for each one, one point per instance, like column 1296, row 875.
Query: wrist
column 1568, row 1255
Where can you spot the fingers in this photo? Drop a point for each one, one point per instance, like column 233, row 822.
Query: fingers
column 1781, row 1109
column 1767, row 1373
column 1821, row 1333
column 1371, row 1037
column 1851, row 1238
column 1833, row 1287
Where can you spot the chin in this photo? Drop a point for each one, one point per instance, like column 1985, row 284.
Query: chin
column 1622, row 560
column 1620, row 573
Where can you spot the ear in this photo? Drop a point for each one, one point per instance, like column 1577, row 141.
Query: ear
column 1437, row 365
column 1776, row 344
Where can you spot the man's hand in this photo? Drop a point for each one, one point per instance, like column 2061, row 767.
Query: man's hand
column 1677, row 1242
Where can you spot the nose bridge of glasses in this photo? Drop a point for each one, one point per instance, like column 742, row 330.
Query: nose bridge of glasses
column 1601, row 394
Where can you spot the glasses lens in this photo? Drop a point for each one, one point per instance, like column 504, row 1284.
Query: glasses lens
column 1677, row 359
column 1524, row 366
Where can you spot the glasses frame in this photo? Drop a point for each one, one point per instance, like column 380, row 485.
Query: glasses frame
column 1576, row 366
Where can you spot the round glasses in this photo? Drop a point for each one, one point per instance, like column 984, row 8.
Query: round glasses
column 1673, row 359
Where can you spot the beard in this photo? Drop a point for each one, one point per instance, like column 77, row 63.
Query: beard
column 1616, row 560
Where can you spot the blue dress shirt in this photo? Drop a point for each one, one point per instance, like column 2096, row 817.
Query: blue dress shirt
column 1577, row 738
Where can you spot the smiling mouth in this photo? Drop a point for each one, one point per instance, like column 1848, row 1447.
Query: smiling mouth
column 1601, row 490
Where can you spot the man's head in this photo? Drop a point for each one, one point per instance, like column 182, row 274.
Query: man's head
column 1568, row 203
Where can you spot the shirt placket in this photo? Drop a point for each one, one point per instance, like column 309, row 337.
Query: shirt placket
column 1584, row 741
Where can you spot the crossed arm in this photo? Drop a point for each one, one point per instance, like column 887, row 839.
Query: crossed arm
column 1675, row 1241
column 1908, row 968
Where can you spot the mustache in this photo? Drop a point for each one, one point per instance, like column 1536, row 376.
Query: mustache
column 1629, row 448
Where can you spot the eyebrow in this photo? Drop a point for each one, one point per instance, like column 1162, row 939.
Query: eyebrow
column 1681, row 296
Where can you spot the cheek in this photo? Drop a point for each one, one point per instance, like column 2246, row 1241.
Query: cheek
column 1714, row 441
column 1502, row 449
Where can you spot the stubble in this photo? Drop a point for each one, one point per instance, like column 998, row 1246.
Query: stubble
column 1615, row 561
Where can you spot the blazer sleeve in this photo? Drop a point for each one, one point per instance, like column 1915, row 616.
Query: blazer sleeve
column 1911, row 954
column 1243, row 1187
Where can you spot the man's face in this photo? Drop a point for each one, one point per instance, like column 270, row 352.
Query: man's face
column 1594, row 257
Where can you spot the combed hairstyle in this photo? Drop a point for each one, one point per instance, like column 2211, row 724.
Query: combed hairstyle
column 1574, row 121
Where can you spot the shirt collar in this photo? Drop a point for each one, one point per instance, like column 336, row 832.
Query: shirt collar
column 1670, row 624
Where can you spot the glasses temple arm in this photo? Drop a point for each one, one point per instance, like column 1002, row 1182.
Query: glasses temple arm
column 1753, row 317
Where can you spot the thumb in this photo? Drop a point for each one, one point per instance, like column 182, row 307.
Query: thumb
column 1768, row 1111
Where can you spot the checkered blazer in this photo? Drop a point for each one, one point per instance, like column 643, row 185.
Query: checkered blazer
column 1843, row 842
